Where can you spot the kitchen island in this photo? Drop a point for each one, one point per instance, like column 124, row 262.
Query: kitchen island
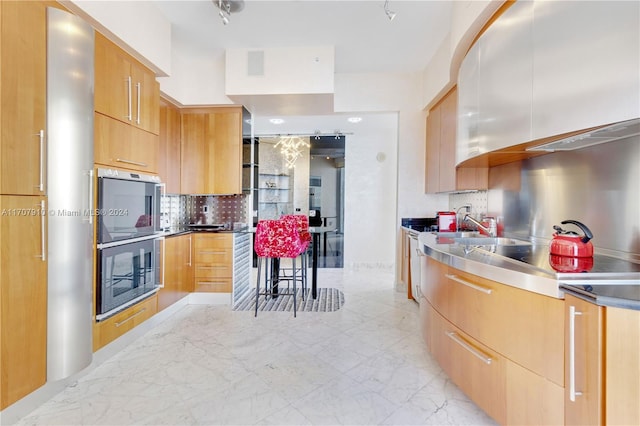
column 501, row 330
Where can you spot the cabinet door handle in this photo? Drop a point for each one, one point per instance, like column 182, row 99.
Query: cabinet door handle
column 189, row 264
column 573, row 313
column 212, row 252
column 135, row 163
column 138, row 89
column 42, row 161
column 469, row 284
column 140, row 312
column 129, row 115
column 460, row 341
column 90, row 173
column 43, row 228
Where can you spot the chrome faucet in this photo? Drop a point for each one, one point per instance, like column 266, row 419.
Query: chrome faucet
column 492, row 229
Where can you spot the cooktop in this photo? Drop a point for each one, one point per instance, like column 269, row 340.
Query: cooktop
column 538, row 256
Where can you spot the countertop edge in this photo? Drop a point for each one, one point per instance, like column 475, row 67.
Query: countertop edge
column 512, row 273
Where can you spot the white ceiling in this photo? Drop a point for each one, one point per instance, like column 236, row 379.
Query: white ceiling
column 365, row 40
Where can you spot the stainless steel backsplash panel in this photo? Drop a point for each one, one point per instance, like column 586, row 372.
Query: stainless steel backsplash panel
column 598, row 185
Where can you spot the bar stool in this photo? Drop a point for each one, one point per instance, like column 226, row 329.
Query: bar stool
column 275, row 240
column 302, row 224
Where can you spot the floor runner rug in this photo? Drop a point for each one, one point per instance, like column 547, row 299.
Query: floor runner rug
column 327, row 300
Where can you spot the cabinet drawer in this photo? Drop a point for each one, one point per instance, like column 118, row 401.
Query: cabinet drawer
column 477, row 370
column 110, row 329
column 523, row 326
column 120, row 145
column 219, row 270
column 214, row 285
column 213, row 240
column 433, row 285
column 213, row 255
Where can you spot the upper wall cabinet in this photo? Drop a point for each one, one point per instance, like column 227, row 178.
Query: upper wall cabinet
column 211, row 151
column 504, row 83
column 544, row 69
column 23, row 52
column 127, row 105
column 494, row 86
column 586, row 65
column 441, row 173
column 169, row 164
column 124, row 88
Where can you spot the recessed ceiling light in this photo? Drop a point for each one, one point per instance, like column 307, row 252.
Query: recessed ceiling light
column 354, row 119
column 276, row 121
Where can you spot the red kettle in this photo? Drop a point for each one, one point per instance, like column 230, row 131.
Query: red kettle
column 569, row 243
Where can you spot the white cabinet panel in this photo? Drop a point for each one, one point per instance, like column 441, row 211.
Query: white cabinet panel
column 505, row 83
column 586, row 65
column 467, row 141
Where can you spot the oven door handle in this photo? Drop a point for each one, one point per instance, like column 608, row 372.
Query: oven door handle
column 162, row 247
column 161, row 189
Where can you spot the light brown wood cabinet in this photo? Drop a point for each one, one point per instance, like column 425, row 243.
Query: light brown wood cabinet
column 23, row 97
column 603, row 371
column 124, row 88
column 177, row 268
column 120, row 145
column 475, row 368
column 105, row 332
column 441, row 174
column 514, row 330
column 211, row 155
column 23, row 297
column 213, row 262
column 169, row 159
column 127, row 118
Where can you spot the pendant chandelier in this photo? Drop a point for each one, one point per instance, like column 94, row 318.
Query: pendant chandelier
column 291, row 148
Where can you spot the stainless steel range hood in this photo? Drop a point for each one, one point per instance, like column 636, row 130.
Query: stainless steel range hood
column 610, row 133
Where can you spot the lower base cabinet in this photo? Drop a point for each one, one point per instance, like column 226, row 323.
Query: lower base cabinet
column 477, row 370
column 176, row 267
column 478, row 330
column 213, row 262
column 23, row 297
column 602, row 364
column 106, row 331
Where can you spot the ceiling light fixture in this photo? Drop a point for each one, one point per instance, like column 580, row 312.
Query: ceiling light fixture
column 354, row 119
column 291, row 148
column 227, row 7
column 390, row 14
column 276, row 121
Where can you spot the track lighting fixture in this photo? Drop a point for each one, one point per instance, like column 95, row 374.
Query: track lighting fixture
column 226, row 7
column 390, row 13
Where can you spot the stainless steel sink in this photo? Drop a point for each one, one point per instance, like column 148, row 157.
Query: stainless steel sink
column 459, row 234
column 490, row 241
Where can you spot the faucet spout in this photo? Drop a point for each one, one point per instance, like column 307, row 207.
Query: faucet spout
column 492, row 229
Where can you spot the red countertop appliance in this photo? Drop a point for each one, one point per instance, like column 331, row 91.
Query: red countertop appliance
column 570, row 243
column 447, row 222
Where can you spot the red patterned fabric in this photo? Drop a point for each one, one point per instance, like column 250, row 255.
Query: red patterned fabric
column 302, row 223
column 278, row 238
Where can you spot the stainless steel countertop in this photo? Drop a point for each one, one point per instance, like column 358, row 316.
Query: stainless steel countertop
column 533, row 277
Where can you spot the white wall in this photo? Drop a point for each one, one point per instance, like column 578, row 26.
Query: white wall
column 196, row 79
column 138, row 27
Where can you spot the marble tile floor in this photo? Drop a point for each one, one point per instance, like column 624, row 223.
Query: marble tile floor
column 364, row 364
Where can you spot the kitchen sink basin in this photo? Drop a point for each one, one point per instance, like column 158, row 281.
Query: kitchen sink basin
column 459, row 234
column 490, row 241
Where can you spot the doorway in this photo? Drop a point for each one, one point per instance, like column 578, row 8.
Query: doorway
column 326, row 196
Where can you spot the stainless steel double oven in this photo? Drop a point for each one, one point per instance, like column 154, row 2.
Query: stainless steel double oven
column 129, row 237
